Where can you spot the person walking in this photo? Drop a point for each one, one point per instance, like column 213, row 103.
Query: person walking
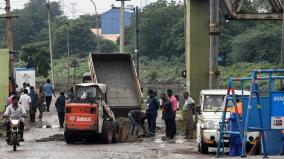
column 152, row 112
column 188, row 115
column 21, row 91
column 48, row 91
column 137, row 119
column 34, row 102
column 60, row 107
column 25, row 101
column 40, row 103
column 173, row 101
column 168, row 116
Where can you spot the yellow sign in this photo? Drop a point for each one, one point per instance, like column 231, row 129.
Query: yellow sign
column 4, row 78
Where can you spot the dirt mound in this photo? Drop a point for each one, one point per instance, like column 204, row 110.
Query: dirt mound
column 56, row 137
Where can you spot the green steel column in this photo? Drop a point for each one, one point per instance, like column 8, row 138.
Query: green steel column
column 4, row 78
column 197, row 46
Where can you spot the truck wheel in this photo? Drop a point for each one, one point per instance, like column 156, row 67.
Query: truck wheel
column 115, row 137
column 68, row 137
column 107, row 132
column 203, row 148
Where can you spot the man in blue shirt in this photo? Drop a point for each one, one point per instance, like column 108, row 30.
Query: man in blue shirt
column 152, row 112
column 48, row 91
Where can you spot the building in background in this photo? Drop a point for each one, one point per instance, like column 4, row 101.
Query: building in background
column 110, row 22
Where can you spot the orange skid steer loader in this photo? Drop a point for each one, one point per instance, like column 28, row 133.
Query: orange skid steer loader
column 88, row 116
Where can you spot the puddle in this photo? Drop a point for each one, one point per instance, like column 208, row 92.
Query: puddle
column 46, row 126
column 180, row 141
column 159, row 140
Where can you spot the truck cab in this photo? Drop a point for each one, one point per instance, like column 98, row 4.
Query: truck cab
column 88, row 114
column 209, row 118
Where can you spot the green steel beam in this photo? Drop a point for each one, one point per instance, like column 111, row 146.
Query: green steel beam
column 4, row 78
column 197, row 46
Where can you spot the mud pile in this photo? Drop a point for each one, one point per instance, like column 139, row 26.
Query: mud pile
column 56, row 137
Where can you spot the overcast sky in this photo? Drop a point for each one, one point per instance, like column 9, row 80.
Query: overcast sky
column 80, row 6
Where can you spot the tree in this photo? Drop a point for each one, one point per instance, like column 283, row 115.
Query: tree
column 161, row 29
column 39, row 57
column 32, row 21
column 261, row 43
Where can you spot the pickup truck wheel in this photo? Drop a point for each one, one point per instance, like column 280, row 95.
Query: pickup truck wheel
column 68, row 137
column 107, row 132
column 203, row 148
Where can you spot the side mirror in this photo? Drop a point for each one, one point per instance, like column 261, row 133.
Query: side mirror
column 197, row 109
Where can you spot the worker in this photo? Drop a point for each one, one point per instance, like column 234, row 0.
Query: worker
column 25, row 101
column 152, row 112
column 40, row 102
column 188, row 115
column 173, row 100
column 48, row 91
column 239, row 109
column 137, row 119
column 235, row 140
column 60, row 107
column 34, row 102
column 168, row 116
column 15, row 109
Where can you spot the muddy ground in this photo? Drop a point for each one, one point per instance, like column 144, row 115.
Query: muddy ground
column 45, row 140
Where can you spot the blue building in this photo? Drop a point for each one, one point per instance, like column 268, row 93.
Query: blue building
column 110, row 20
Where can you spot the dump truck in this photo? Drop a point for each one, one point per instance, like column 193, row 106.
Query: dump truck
column 117, row 72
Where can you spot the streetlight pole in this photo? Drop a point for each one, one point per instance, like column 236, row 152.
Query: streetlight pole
column 50, row 43
column 97, row 26
column 68, row 54
column 136, row 40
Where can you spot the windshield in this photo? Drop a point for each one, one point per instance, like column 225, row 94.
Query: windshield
column 213, row 103
column 86, row 92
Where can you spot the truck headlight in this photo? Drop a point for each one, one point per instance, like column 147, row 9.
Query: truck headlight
column 210, row 124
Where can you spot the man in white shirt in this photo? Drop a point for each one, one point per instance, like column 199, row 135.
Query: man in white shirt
column 25, row 101
column 188, row 115
column 15, row 110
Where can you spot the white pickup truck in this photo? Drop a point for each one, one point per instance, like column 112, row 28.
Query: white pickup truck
column 209, row 118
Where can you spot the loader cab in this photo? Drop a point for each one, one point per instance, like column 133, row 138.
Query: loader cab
column 89, row 92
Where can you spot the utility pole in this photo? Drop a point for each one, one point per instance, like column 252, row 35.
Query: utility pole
column 121, row 41
column 50, row 43
column 97, row 26
column 9, row 35
column 214, row 37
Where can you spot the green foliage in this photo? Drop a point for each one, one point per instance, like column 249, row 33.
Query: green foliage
column 39, row 55
column 243, row 69
column 162, row 70
column 161, row 29
column 261, row 43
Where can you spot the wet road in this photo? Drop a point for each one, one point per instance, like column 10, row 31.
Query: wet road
column 47, row 143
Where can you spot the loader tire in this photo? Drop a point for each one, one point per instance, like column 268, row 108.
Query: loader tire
column 68, row 137
column 107, row 132
column 115, row 126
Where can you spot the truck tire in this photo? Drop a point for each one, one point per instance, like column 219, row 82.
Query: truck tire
column 203, row 148
column 107, row 132
column 68, row 137
column 115, row 137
